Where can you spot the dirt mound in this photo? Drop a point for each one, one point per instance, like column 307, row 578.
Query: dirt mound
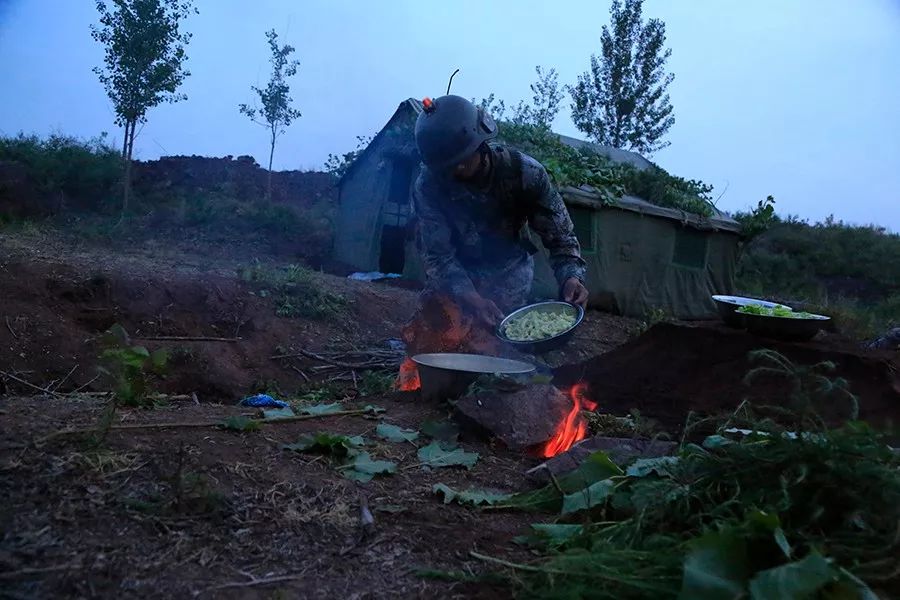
column 54, row 314
column 673, row 370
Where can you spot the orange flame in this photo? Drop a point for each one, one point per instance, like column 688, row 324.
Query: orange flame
column 408, row 379
column 573, row 428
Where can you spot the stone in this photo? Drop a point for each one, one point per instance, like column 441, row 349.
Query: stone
column 620, row 450
column 521, row 419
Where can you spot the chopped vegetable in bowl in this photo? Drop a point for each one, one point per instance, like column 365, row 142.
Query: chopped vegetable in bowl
column 778, row 311
column 536, row 325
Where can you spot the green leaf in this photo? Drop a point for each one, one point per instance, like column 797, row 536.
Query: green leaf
column 392, row 433
column 362, row 468
column 770, row 522
column 115, row 336
column 782, row 542
column 321, row 409
column 716, row 441
column 278, row 413
column 662, row 466
column 444, row 431
column 716, row 568
column 433, row 455
column 556, row 533
column 240, row 423
column 326, row 443
column 471, row 497
column 597, row 467
column 850, row 587
column 159, row 358
column 588, row 497
column 799, row 579
column 136, row 356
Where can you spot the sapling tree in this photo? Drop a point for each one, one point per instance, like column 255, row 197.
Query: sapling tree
column 622, row 101
column 143, row 65
column 274, row 110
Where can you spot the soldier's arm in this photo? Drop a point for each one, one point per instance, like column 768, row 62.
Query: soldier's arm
column 550, row 220
column 442, row 268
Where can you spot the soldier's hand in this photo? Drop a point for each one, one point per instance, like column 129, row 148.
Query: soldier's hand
column 574, row 291
column 485, row 310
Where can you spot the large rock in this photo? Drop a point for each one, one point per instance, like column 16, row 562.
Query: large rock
column 520, row 419
column 620, row 450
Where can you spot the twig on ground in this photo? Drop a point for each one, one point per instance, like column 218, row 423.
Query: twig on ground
column 31, row 385
column 253, row 581
column 187, row 338
column 96, row 377
column 375, row 360
column 512, row 565
column 27, row 572
column 302, row 374
column 8, row 326
column 194, row 424
column 64, row 379
column 555, row 481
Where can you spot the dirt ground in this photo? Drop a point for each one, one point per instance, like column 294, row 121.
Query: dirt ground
column 58, row 296
column 204, row 511
column 200, row 511
column 675, row 369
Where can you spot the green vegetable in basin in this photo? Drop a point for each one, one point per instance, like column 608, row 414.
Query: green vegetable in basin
column 778, row 311
column 534, row 326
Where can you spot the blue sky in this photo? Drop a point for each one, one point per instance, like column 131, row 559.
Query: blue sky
column 799, row 99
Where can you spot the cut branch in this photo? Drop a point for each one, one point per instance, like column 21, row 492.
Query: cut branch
column 31, row 385
column 187, row 338
column 194, row 424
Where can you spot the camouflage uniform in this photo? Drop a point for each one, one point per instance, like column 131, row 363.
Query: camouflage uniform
column 471, row 237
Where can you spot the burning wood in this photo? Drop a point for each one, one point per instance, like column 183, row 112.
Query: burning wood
column 408, row 379
column 574, row 427
column 441, row 325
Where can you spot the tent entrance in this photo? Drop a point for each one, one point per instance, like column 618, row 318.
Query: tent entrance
column 393, row 249
column 394, row 216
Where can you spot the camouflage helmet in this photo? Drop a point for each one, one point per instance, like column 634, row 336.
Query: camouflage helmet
column 451, row 128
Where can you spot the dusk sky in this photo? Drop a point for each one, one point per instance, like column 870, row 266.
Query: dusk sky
column 795, row 98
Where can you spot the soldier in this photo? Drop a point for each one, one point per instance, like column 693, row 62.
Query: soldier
column 472, row 201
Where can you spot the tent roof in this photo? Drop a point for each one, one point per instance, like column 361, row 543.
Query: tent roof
column 588, row 197
column 410, row 106
column 585, row 195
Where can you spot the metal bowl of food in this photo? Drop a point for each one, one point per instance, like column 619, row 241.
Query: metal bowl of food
column 728, row 305
column 447, row 375
column 540, row 327
column 782, row 323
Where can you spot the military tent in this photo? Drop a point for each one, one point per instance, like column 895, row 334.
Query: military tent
column 641, row 257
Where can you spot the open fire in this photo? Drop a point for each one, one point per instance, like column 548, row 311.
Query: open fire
column 408, row 379
column 573, row 428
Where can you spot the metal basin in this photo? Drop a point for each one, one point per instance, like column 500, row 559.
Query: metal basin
column 783, row 328
column 547, row 344
column 728, row 305
column 446, row 375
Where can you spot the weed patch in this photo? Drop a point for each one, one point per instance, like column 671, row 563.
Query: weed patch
column 807, row 513
column 298, row 291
